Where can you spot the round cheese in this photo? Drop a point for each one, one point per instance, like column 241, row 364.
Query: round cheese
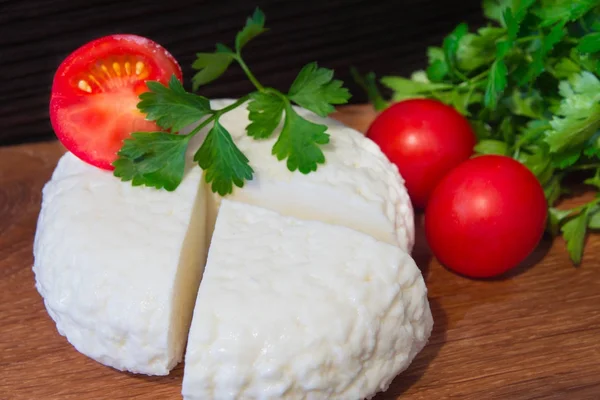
column 119, row 266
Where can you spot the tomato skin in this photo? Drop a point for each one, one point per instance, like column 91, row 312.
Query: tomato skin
column 92, row 123
column 485, row 216
column 425, row 139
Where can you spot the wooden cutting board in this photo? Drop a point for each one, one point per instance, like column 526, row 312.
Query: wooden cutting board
column 532, row 335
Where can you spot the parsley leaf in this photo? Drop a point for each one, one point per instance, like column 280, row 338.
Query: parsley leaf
column 514, row 17
column 494, row 9
column 155, row 159
column 223, row 162
column 556, row 218
column 158, row 159
column 211, row 65
column 255, row 25
column 553, row 11
column 265, row 111
column 369, row 84
column 548, row 42
column 594, row 221
column 478, row 50
column 451, row 45
column 298, row 142
column 574, row 232
column 438, row 67
column 172, row 107
column 315, row 89
column 590, row 43
column 405, row 88
column 578, row 117
column 496, row 84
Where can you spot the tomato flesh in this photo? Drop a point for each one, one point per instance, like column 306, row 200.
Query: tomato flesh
column 93, row 106
column 485, row 216
column 425, row 139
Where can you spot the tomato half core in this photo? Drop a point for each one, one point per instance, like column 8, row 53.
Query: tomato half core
column 95, row 94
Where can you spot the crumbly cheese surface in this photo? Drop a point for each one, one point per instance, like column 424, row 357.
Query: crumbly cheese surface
column 119, row 266
column 293, row 309
column 357, row 186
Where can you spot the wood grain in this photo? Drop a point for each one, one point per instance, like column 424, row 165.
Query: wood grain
column 534, row 334
column 391, row 37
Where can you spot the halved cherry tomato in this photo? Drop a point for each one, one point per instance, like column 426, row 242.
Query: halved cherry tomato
column 95, row 94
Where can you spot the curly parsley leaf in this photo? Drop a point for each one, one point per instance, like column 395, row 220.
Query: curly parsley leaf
column 265, row 111
column 171, row 106
column 315, row 89
column 223, row 162
column 155, row 159
column 255, row 25
column 299, row 142
column 211, row 65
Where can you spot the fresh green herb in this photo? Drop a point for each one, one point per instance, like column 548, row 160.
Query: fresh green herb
column 529, row 82
column 158, row 159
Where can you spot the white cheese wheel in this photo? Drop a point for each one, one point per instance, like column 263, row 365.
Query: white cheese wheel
column 292, row 309
column 119, row 266
column 357, row 187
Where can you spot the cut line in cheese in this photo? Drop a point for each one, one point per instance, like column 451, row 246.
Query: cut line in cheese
column 357, row 187
column 119, row 266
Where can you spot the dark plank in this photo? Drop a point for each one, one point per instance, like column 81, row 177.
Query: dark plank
column 384, row 36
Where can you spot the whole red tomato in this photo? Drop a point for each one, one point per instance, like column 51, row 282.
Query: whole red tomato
column 485, row 216
column 425, row 139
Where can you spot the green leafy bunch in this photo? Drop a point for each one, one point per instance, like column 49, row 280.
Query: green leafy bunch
column 529, row 83
column 158, row 159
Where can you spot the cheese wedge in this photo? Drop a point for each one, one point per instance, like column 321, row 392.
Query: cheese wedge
column 292, row 309
column 357, row 187
column 119, row 266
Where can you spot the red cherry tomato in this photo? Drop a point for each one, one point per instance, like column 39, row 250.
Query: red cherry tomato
column 95, row 93
column 425, row 139
column 485, row 216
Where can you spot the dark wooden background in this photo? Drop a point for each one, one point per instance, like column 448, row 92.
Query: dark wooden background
column 383, row 36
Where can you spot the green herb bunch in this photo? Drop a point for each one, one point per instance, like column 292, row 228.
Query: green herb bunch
column 529, row 83
column 157, row 159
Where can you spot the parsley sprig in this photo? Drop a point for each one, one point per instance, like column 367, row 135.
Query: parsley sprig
column 529, row 81
column 158, row 159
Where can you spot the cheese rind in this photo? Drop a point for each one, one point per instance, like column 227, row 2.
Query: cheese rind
column 292, row 309
column 119, row 266
column 357, row 187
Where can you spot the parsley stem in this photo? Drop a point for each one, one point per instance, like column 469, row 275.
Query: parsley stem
column 584, row 167
column 218, row 113
column 527, row 38
column 248, row 73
